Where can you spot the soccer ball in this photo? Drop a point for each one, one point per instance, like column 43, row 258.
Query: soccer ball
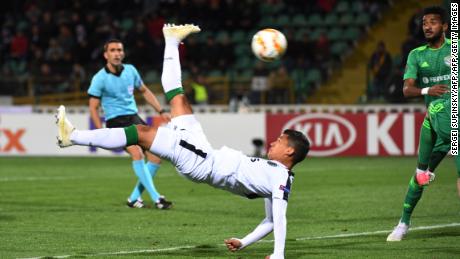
column 268, row 44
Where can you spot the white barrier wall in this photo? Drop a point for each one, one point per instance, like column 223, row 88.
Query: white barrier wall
column 35, row 134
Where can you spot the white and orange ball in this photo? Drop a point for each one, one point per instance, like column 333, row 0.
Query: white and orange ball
column 269, row 44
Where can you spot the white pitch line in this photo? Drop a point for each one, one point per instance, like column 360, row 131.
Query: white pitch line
column 59, row 178
column 116, row 253
column 44, row 178
column 378, row 232
column 261, row 241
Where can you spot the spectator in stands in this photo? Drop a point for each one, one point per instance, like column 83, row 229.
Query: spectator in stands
column 66, row 39
column 77, row 77
column 54, row 51
column 36, row 38
column 213, row 52
column 322, row 54
column 259, row 84
column 322, row 48
column 415, row 27
column 380, row 65
column 394, row 88
column 199, row 90
column 80, row 27
column 280, row 86
column 19, row 45
column 226, row 55
column 46, row 81
column 325, row 6
column 306, row 49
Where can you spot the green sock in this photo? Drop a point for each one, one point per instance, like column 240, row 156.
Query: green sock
column 174, row 92
column 131, row 135
column 414, row 193
column 426, row 144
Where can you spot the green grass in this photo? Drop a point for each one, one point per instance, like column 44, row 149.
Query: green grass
column 75, row 206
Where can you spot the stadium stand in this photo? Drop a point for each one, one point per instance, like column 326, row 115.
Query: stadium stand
column 51, row 48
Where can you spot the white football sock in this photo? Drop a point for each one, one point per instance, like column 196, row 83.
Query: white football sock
column 105, row 138
column 171, row 75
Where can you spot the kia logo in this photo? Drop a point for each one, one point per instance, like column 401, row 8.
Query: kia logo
column 329, row 134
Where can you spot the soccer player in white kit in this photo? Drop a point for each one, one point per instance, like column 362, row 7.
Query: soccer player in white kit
column 183, row 142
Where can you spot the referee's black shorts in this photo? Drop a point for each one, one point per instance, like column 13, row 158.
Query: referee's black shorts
column 125, row 121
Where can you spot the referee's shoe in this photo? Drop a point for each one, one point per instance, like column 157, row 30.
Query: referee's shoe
column 163, row 204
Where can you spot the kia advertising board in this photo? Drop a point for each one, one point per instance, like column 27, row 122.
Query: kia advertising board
column 352, row 134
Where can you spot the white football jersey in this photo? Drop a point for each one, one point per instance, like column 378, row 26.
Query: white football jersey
column 251, row 177
column 183, row 143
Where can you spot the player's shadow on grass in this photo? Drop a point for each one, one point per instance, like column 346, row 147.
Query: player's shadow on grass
column 7, row 218
column 220, row 251
column 433, row 234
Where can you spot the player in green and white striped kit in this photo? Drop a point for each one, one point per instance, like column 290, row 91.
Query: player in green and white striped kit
column 427, row 74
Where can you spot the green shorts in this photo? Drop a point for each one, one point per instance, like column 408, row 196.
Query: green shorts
column 439, row 116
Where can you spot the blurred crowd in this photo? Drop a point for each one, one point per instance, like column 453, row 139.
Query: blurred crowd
column 57, row 45
column 385, row 72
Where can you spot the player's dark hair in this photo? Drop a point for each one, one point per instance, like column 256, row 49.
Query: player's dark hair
column 436, row 10
column 106, row 44
column 299, row 142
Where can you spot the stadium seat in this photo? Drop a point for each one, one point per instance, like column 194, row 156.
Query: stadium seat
column 351, row 34
column 151, row 77
column 299, row 20
column 346, row 19
column 331, row 19
column 317, row 33
column 185, row 74
column 283, row 20
column 357, row 7
column 238, row 36
column 221, row 36
column 313, row 76
column 397, row 59
column 363, row 19
column 244, row 63
column 271, row 8
column 300, row 32
column 273, row 65
column 244, row 73
column 215, row 73
column 315, row 20
column 342, row 7
column 242, row 50
column 203, row 36
column 267, row 21
column 126, row 24
column 335, row 34
column 338, row 49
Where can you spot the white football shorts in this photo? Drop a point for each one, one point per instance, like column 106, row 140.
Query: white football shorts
column 183, row 142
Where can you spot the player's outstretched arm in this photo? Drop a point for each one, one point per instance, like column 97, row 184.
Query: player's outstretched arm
column 263, row 229
column 279, row 208
column 411, row 90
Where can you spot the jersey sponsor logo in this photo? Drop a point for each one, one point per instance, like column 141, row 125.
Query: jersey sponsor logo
column 329, row 134
column 435, row 79
column 447, row 60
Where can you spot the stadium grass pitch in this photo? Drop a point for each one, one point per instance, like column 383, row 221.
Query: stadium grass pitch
column 75, row 207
